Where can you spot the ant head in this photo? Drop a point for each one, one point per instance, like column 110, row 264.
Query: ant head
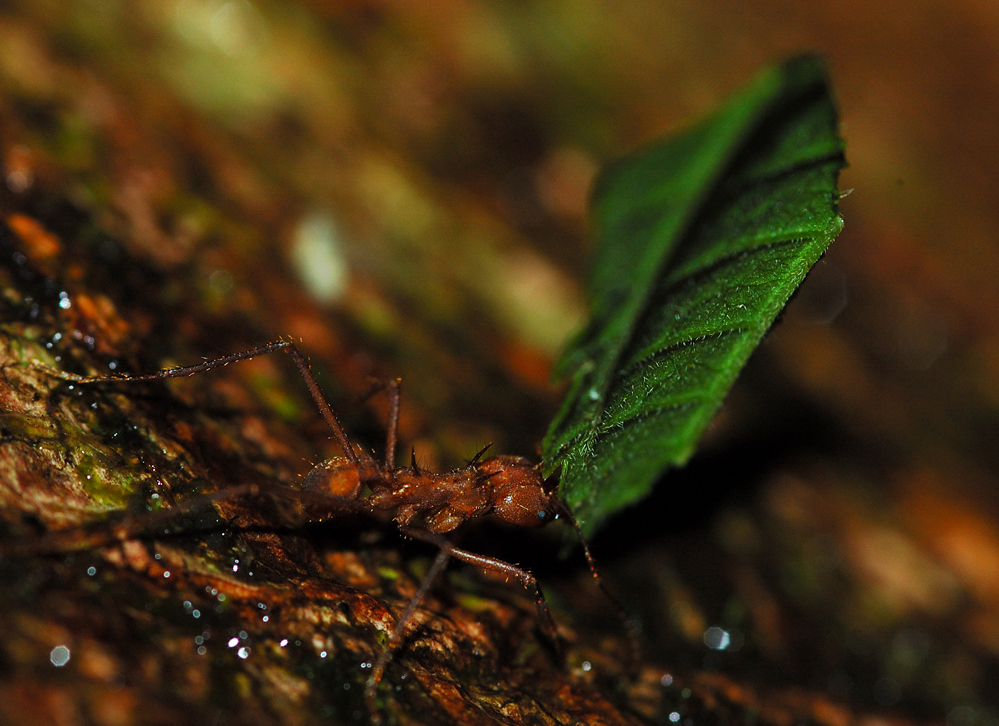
column 519, row 493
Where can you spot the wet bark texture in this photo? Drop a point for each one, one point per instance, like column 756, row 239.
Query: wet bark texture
column 830, row 557
column 233, row 613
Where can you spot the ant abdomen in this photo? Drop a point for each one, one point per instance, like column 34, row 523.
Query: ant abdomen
column 337, row 477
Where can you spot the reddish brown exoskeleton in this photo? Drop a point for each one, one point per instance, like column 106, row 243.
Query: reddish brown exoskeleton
column 424, row 505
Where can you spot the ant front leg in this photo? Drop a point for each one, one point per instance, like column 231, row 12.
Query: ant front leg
column 629, row 627
column 529, row 581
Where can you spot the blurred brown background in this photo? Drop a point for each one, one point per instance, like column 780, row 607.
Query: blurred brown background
column 403, row 186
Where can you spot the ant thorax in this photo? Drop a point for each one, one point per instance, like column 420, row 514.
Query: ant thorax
column 510, row 487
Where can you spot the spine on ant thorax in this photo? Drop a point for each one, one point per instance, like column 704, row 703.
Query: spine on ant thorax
column 443, row 501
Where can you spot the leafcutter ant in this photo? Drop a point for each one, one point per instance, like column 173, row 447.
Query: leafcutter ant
column 424, row 505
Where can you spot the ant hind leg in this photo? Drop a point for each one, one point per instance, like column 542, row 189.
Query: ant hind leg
column 141, row 526
column 87, row 536
column 184, row 371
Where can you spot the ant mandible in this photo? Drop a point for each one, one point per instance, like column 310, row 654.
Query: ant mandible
column 424, row 505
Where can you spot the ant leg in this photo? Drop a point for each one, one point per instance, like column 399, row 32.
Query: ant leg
column 395, row 637
column 77, row 538
column 184, row 371
column 321, row 402
column 528, row 580
column 392, row 436
column 138, row 526
column 394, row 387
column 636, row 645
column 446, row 550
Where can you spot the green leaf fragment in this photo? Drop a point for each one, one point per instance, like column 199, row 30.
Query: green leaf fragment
column 701, row 240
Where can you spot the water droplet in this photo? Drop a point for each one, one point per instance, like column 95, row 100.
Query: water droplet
column 59, row 656
column 91, row 571
column 243, row 652
column 716, row 638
